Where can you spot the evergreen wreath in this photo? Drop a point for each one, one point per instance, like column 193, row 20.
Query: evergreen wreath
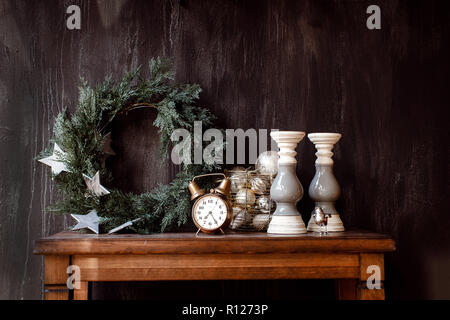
column 82, row 136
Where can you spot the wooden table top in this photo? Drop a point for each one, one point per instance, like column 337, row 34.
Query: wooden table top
column 73, row 243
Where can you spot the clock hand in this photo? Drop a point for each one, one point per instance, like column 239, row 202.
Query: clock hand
column 214, row 219
column 215, row 205
column 210, row 213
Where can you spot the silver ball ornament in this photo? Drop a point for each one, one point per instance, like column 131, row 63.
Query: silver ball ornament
column 245, row 197
column 265, row 204
column 259, row 185
column 261, row 221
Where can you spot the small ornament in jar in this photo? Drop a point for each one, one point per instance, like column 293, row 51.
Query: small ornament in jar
column 259, row 185
column 236, row 211
column 241, row 219
column 267, row 163
column 245, row 197
column 238, row 178
column 261, row 221
column 265, row 204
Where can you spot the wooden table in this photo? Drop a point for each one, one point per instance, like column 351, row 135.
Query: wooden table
column 184, row 256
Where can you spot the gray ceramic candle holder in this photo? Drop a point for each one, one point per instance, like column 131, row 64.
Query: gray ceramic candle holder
column 286, row 189
column 324, row 188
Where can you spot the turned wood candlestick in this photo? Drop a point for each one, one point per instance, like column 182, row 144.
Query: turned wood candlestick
column 324, row 188
column 286, row 189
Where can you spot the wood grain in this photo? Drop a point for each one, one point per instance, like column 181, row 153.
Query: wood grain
column 55, row 267
column 347, row 289
column 217, row 267
column 83, row 292
column 56, row 292
column 72, row 243
column 55, row 277
column 367, row 260
column 374, row 294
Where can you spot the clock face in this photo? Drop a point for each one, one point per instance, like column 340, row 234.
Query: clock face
column 210, row 212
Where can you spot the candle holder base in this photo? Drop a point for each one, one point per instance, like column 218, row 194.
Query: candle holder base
column 284, row 224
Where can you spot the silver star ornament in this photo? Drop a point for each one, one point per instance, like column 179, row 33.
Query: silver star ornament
column 89, row 221
column 93, row 184
column 55, row 161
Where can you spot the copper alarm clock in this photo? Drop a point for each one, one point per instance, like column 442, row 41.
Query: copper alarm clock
column 211, row 212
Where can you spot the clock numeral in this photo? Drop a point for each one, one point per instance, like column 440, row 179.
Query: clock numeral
column 201, row 208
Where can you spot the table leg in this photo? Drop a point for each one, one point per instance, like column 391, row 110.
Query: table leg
column 55, row 277
column 371, row 276
column 369, row 286
column 83, row 292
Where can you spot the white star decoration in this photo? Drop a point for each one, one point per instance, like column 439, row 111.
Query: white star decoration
column 90, row 221
column 93, row 184
column 55, row 161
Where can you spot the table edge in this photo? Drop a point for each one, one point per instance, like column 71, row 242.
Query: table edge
column 289, row 244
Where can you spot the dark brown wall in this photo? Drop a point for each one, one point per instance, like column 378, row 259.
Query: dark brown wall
column 297, row 65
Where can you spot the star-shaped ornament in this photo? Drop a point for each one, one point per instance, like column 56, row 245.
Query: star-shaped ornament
column 89, row 221
column 55, row 161
column 93, row 184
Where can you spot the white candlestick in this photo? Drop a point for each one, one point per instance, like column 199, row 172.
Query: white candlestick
column 286, row 189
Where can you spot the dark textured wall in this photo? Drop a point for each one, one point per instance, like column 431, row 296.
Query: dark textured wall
column 297, row 65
